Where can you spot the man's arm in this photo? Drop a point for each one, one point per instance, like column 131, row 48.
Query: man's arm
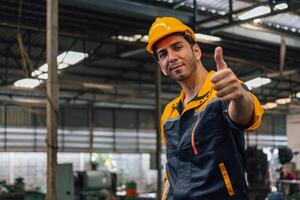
column 229, row 88
column 241, row 110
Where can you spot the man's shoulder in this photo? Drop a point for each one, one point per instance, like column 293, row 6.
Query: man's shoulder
column 170, row 107
column 172, row 104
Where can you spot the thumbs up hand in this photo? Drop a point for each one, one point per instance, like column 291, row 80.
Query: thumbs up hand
column 226, row 84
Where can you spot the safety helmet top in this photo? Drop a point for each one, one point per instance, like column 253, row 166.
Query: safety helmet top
column 165, row 26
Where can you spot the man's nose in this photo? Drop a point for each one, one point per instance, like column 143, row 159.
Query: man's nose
column 172, row 56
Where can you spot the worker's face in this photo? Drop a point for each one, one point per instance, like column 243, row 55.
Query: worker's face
column 176, row 57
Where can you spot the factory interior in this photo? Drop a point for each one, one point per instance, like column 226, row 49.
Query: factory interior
column 93, row 131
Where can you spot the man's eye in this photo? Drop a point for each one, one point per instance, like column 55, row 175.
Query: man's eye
column 161, row 55
column 178, row 47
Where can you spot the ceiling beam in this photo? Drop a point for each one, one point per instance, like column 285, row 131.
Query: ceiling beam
column 226, row 16
column 129, row 8
column 238, row 22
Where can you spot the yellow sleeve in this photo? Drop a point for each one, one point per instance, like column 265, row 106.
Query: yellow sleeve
column 257, row 114
column 163, row 136
column 166, row 187
column 163, row 119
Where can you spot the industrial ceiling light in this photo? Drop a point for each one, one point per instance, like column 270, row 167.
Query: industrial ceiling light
column 257, row 82
column 283, row 101
column 43, row 76
column 222, row 12
column 255, row 12
column 64, row 60
column 270, row 105
column 144, row 38
column 62, row 65
column 36, row 73
column 298, row 94
column 27, row 83
column 281, row 6
column 134, row 38
column 203, row 8
column 257, row 21
column 43, row 68
column 200, row 37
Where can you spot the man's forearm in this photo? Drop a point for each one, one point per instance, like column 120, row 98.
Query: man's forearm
column 241, row 110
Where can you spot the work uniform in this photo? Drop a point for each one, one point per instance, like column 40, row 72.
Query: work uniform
column 205, row 148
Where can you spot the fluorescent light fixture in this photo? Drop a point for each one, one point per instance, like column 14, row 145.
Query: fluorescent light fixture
column 62, row 65
column 255, row 12
column 36, row 73
column 200, row 37
column 44, row 68
column 43, row 76
column 137, row 36
column 66, row 59
column 222, row 12
column 203, row 8
column 144, row 38
column 27, row 83
column 134, row 38
column 257, row 82
column 71, row 57
column 281, row 6
column 298, row 94
column 283, row 101
column 213, row 11
column 270, row 105
column 257, row 21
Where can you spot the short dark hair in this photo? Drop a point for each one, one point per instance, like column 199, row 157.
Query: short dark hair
column 187, row 37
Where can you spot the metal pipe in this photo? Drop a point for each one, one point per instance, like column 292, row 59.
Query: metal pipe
column 195, row 14
column 230, row 10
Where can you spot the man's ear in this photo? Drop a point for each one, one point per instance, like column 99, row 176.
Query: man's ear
column 197, row 51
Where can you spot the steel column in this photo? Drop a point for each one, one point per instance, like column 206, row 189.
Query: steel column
column 53, row 97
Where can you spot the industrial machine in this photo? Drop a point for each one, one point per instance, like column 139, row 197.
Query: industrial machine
column 95, row 185
column 17, row 191
column 257, row 174
column 83, row 185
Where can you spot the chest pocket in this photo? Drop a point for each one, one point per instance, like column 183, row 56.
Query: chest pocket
column 171, row 132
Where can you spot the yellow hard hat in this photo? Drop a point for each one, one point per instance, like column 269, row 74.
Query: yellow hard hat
column 165, row 26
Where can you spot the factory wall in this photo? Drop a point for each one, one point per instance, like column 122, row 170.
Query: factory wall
column 293, row 133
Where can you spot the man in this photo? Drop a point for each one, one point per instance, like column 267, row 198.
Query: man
column 203, row 127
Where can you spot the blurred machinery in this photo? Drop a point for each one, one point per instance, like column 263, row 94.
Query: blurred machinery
column 83, row 185
column 17, row 191
column 95, row 185
column 257, row 174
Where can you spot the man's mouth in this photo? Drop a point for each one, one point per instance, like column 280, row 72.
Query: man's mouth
column 175, row 67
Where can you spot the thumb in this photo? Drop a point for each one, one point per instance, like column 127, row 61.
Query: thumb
column 221, row 64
